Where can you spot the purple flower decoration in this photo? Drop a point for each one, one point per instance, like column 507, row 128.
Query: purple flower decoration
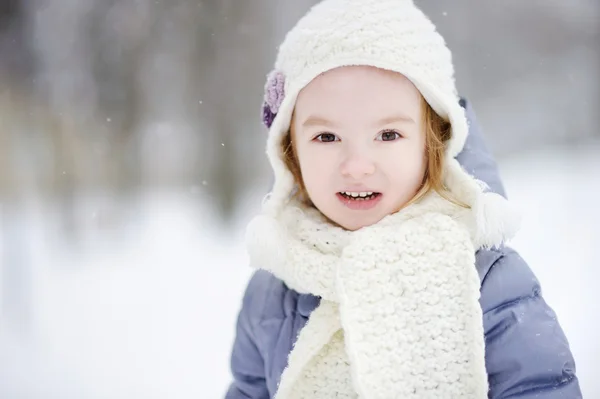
column 274, row 94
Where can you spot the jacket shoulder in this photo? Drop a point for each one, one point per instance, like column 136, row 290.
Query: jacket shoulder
column 502, row 271
column 264, row 297
column 527, row 353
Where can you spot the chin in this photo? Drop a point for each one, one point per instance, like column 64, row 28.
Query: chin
column 355, row 223
column 350, row 219
column 351, row 226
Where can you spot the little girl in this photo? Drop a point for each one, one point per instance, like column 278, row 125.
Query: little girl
column 384, row 273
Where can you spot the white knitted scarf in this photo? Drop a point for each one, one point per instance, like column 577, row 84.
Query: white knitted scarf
column 399, row 315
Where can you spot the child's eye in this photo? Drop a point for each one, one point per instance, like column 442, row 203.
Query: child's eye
column 326, row 137
column 389, row 135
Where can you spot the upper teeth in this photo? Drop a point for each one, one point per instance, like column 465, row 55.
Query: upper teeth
column 358, row 194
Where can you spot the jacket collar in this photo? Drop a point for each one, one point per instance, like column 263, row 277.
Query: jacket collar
column 307, row 303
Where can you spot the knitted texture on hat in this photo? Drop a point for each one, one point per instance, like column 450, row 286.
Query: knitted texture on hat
column 388, row 34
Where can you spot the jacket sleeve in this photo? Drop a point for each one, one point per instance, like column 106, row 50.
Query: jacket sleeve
column 527, row 353
column 247, row 365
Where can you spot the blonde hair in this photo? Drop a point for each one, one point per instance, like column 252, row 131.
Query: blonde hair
column 438, row 132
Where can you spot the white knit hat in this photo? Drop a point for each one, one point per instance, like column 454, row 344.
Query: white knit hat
column 389, row 34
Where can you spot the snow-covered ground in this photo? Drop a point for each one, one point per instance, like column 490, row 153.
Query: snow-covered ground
column 153, row 315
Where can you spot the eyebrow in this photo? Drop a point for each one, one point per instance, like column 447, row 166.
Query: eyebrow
column 316, row 120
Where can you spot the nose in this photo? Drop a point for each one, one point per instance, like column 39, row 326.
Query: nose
column 357, row 165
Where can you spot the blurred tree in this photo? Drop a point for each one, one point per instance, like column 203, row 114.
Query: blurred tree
column 15, row 251
column 15, row 59
column 233, row 64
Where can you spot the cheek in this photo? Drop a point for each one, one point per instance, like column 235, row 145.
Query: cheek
column 407, row 167
column 316, row 163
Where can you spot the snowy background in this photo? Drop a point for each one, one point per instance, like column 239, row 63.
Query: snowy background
column 131, row 158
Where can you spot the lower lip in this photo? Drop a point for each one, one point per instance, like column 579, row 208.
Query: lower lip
column 359, row 205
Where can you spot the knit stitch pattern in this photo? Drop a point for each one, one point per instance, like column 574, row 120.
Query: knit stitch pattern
column 400, row 314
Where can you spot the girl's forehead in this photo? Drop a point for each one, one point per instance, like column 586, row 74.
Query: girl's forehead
column 358, row 81
column 358, row 92
column 357, row 77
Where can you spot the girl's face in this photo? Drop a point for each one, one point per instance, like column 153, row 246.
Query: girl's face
column 360, row 143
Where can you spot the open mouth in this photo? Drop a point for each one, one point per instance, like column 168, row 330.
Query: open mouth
column 359, row 196
column 359, row 201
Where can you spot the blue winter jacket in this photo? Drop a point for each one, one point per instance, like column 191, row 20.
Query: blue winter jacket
column 527, row 354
